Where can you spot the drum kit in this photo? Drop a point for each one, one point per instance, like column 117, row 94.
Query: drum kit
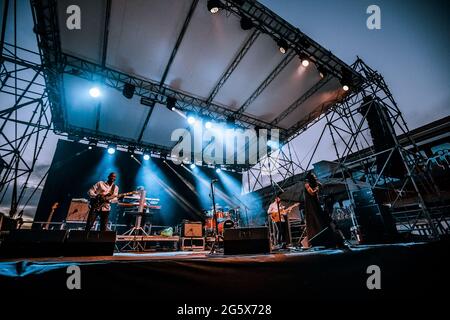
column 226, row 218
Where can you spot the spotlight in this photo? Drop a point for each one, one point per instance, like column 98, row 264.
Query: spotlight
column 90, row 147
column 191, row 120
column 94, row 92
column 111, row 149
column 246, row 23
column 146, row 157
column 304, row 59
column 214, row 6
column 128, row 90
column 322, row 71
column 193, row 166
column 170, row 103
column 283, row 46
column 218, row 170
column 346, row 79
column 208, row 124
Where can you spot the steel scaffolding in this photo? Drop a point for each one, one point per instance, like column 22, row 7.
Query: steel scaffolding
column 25, row 115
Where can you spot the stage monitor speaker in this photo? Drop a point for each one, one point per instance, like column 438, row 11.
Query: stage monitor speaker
column 33, row 243
column 92, row 243
column 191, row 229
column 246, row 240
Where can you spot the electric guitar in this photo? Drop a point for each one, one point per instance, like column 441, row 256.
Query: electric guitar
column 97, row 202
column 276, row 217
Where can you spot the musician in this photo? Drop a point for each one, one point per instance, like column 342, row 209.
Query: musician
column 109, row 192
column 276, row 208
column 316, row 219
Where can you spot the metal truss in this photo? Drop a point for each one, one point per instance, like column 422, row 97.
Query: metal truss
column 24, row 116
column 357, row 159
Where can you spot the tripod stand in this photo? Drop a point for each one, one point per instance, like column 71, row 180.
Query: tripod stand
column 137, row 229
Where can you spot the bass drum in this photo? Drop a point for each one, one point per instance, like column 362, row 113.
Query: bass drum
column 227, row 224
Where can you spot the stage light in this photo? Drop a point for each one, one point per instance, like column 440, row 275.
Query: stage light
column 304, row 59
column 111, row 149
column 191, row 120
column 193, row 166
column 94, row 92
column 322, row 71
column 146, row 157
column 170, row 103
column 283, row 46
column 90, row 147
column 128, row 90
column 246, row 23
column 214, row 6
column 346, row 79
column 208, row 125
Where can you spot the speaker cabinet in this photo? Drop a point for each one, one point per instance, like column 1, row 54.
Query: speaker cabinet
column 371, row 224
column 246, row 240
column 92, row 243
column 191, row 229
column 33, row 243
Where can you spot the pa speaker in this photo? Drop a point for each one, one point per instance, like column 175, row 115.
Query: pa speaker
column 246, row 240
column 33, row 243
column 90, row 243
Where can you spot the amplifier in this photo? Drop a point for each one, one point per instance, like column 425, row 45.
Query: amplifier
column 191, row 229
column 246, row 240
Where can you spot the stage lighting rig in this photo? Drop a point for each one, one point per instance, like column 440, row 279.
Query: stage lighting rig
column 282, row 46
column 304, row 59
column 112, row 148
column 214, row 6
column 322, row 71
column 128, row 90
column 246, row 23
column 170, row 103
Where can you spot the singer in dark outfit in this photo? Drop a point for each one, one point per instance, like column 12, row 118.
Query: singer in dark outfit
column 315, row 218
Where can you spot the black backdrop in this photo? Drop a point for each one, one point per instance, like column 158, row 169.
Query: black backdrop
column 75, row 169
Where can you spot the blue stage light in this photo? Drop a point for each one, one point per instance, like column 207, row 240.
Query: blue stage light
column 111, row 149
column 146, row 157
column 94, row 92
column 191, row 120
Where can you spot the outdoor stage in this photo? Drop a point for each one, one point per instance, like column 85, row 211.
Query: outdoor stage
column 408, row 271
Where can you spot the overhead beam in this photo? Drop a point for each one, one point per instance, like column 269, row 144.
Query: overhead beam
column 247, row 45
column 169, row 64
column 265, row 83
column 316, row 87
column 278, row 28
column 106, row 32
column 154, row 92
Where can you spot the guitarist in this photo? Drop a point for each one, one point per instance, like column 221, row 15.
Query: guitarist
column 276, row 211
column 101, row 194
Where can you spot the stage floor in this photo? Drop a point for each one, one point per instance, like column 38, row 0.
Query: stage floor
column 407, row 271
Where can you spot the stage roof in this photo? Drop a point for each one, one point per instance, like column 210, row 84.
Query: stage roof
column 178, row 48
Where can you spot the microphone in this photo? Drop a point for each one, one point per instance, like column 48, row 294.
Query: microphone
column 214, row 180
